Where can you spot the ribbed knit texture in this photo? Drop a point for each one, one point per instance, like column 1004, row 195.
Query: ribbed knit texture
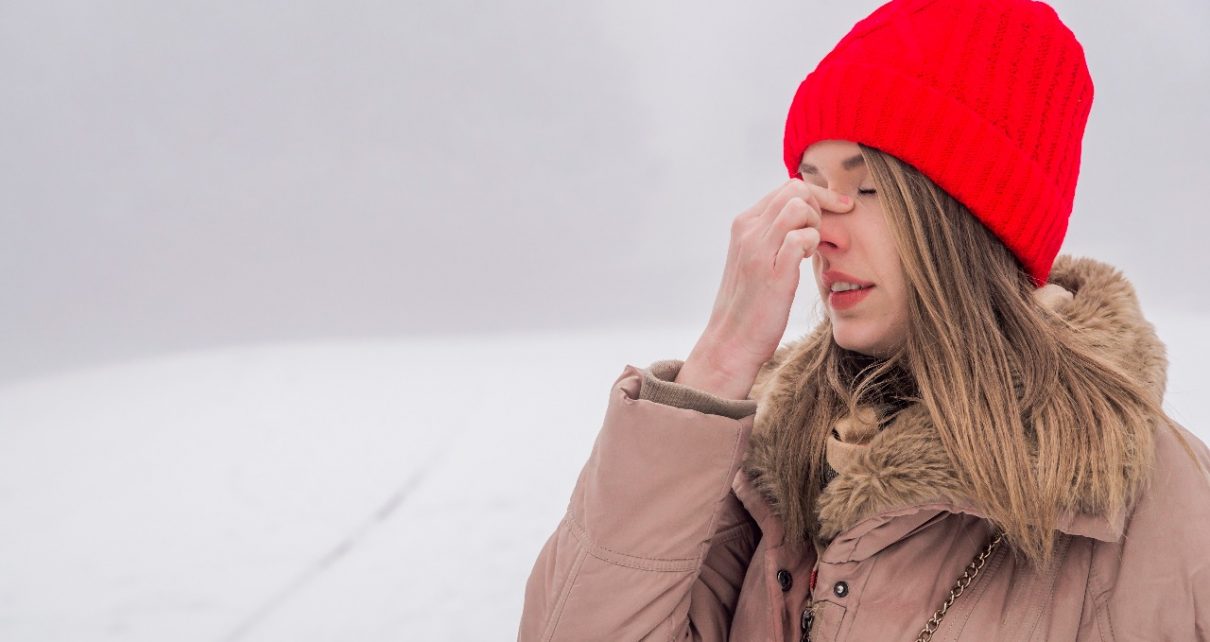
column 659, row 385
column 988, row 98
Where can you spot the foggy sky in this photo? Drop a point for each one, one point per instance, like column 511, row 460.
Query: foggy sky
column 183, row 175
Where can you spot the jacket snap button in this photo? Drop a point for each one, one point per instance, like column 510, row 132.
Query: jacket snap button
column 785, row 580
column 841, row 589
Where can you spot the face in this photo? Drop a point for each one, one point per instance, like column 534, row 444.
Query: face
column 856, row 246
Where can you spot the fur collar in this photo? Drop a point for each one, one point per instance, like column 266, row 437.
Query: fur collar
column 905, row 465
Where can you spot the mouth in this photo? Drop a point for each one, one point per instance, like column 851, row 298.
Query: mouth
column 835, row 281
column 845, row 299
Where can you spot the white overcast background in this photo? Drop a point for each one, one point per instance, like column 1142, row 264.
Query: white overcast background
column 310, row 310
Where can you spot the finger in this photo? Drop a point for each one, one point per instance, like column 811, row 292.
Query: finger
column 760, row 206
column 820, row 197
column 799, row 244
column 797, row 213
column 793, row 187
column 831, row 200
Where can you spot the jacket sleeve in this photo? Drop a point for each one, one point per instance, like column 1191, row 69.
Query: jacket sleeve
column 654, row 545
column 1156, row 586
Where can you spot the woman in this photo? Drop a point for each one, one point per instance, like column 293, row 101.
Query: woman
column 970, row 446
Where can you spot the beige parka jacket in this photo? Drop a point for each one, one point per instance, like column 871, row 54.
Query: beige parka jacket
column 671, row 531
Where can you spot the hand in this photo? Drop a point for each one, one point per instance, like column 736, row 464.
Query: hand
column 769, row 241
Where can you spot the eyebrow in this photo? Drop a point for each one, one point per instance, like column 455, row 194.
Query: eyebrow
column 848, row 164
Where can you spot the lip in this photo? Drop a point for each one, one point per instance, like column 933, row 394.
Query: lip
column 849, row 298
column 831, row 277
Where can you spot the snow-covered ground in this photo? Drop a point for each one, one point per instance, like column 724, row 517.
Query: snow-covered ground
column 376, row 490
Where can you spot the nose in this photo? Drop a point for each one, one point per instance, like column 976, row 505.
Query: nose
column 833, row 232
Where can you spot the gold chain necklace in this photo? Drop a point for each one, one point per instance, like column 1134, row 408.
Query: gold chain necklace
column 930, row 627
column 972, row 570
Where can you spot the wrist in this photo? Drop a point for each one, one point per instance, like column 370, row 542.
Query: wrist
column 713, row 369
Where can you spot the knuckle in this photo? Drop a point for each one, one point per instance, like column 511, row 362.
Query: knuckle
column 743, row 223
column 814, row 218
column 794, row 206
column 813, row 200
column 799, row 215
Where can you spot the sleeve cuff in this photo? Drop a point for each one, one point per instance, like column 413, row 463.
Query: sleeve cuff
column 659, row 386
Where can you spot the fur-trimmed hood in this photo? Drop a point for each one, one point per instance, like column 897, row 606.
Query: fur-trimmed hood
column 905, row 464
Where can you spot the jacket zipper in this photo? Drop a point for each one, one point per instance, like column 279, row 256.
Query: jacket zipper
column 808, row 618
column 808, row 614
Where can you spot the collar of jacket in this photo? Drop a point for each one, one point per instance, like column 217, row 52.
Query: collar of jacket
column 905, row 470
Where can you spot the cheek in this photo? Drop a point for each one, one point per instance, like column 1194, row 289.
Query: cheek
column 898, row 317
column 894, row 312
column 895, row 298
column 890, row 268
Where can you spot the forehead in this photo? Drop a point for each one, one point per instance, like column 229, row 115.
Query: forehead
column 831, row 157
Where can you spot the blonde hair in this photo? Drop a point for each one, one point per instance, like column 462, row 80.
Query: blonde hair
column 1009, row 387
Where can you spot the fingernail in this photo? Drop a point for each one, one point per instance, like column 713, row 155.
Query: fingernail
column 845, row 200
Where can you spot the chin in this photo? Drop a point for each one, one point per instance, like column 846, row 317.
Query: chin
column 853, row 339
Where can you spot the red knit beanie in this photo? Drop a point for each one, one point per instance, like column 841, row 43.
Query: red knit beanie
column 988, row 98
